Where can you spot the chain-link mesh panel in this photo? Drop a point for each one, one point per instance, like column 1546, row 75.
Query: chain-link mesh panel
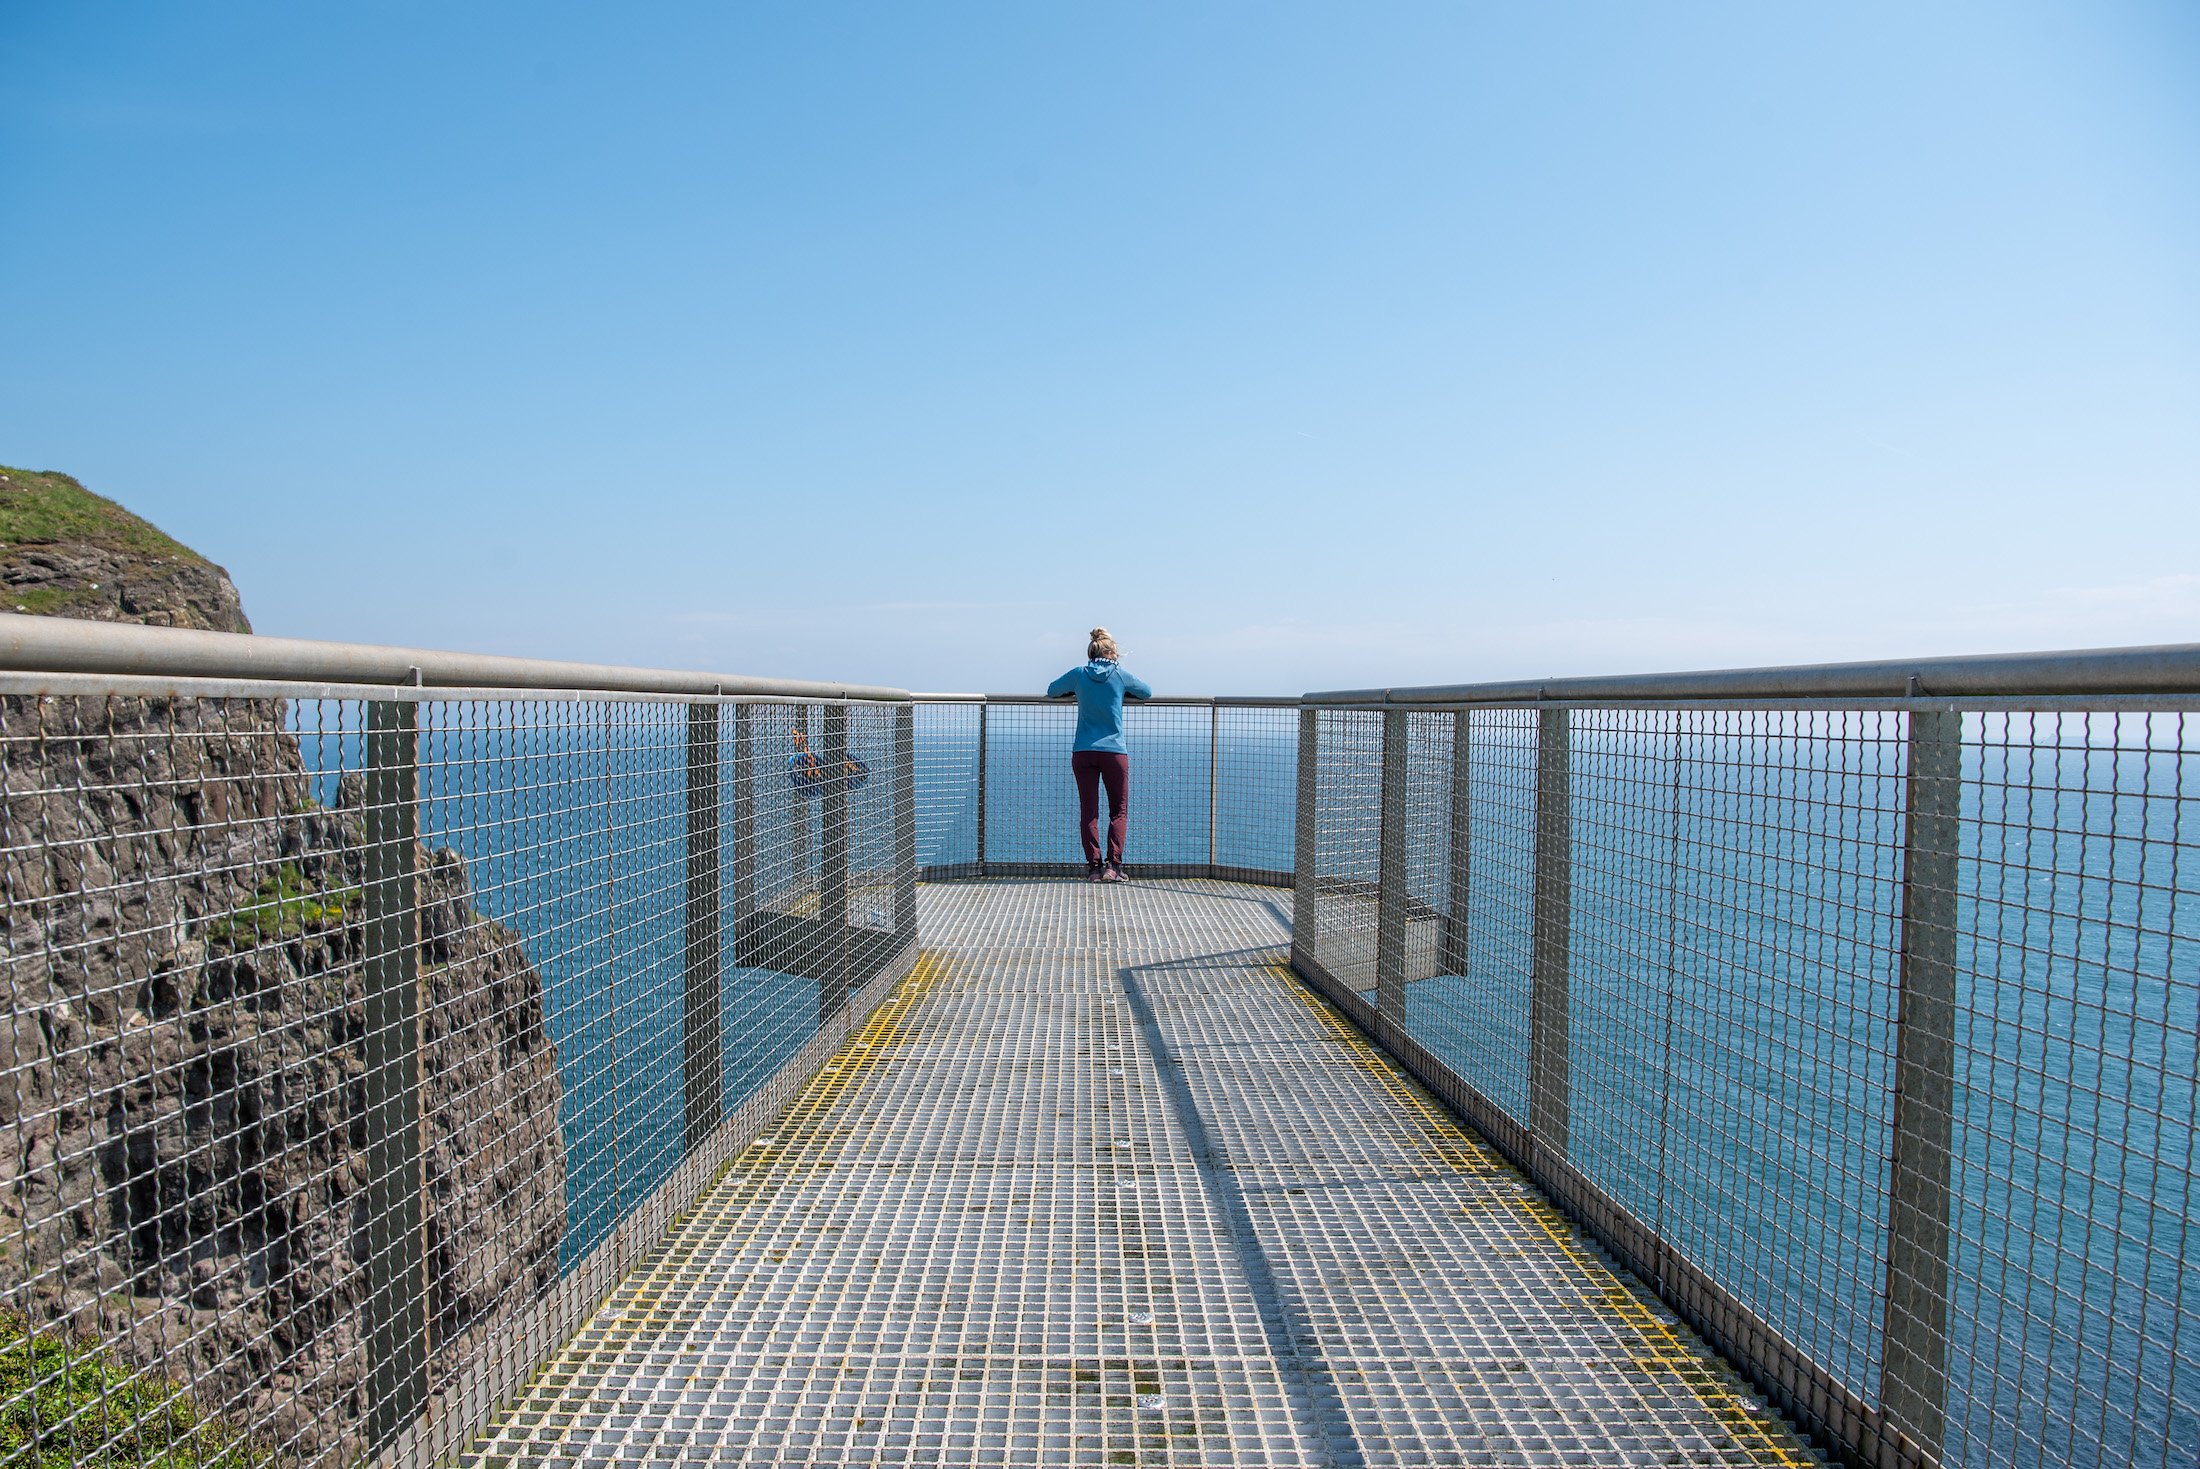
column 1735, row 907
column 2074, row 1318
column 1257, row 770
column 947, row 789
column 342, row 1033
column 1337, row 898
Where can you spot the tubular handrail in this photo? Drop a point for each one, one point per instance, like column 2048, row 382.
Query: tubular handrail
column 2168, row 668
column 1177, row 701
column 66, row 645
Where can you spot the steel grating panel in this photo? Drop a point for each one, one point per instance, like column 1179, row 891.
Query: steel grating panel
column 1103, row 1184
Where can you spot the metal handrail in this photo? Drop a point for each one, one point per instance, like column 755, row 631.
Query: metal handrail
column 55, row 645
column 2168, row 668
column 1195, row 701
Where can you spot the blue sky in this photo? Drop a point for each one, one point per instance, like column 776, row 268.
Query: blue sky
column 1302, row 345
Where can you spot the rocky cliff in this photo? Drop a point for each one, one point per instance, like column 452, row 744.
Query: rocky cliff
column 182, row 1140
column 66, row 552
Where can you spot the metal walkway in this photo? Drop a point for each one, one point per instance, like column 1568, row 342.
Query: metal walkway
column 1103, row 1184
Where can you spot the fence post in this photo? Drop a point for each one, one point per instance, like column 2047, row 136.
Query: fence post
column 905, row 825
column 1214, row 780
column 1459, row 895
column 1390, row 873
column 744, row 812
column 704, row 1045
column 1914, row 1363
column 395, row 1340
column 1550, row 1093
column 798, row 804
column 1305, row 915
column 832, row 902
column 981, row 786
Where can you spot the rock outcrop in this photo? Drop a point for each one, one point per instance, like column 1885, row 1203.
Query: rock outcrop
column 183, row 1157
column 66, row 552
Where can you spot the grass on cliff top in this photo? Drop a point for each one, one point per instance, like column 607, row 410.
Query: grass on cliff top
column 68, row 1405
column 38, row 508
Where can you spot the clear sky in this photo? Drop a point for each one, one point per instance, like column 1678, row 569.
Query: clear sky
column 1304, row 345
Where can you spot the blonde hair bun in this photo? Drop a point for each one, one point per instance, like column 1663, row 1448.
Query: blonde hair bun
column 1101, row 646
column 1099, row 633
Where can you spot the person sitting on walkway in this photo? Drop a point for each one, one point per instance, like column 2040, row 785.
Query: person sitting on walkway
column 1100, row 687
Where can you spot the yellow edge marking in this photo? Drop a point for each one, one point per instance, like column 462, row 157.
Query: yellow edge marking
column 1664, row 1352
column 764, row 1168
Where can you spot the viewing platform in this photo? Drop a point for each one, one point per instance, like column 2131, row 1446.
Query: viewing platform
column 1103, row 1183
column 420, row 1060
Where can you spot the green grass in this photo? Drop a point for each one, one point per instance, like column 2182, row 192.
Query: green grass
column 38, row 508
column 43, row 601
column 68, row 1405
column 286, row 905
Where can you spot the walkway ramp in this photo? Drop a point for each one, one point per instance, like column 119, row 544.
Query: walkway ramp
column 1103, row 1184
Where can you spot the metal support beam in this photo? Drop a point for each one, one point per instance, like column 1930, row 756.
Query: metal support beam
column 832, row 905
column 905, row 826
column 797, row 804
column 981, row 789
column 1390, row 875
column 1914, row 1370
column 1305, row 906
column 1550, row 1046
column 704, row 1049
column 1459, row 895
column 396, row 1305
column 744, row 812
column 1214, row 783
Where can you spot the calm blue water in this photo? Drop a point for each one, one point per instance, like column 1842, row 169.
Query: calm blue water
column 1734, row 961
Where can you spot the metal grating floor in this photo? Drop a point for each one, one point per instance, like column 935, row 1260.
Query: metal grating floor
column 1103, row 1184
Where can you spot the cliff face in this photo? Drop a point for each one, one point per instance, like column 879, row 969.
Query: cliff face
column 182, row 1139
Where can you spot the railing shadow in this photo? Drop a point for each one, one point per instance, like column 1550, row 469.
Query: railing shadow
column 1317, row 1410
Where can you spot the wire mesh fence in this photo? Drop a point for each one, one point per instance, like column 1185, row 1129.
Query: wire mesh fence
column 1869, row 1035
column 348, row 1035
column 949, row 771
column 354, row 1041
column 1210, row 790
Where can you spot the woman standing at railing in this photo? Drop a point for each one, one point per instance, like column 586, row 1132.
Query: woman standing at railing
column 1098, row 756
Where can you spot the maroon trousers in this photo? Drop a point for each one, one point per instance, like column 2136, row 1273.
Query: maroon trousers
column 1092, row 767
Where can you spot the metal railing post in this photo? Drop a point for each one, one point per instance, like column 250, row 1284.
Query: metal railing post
column 1459, row 895
column 1914, row 1370
column 1305, row 915
column 905, row 825
column 1390, row 874
column 704, row 1046
column 395, row 1308
column 832, row 904
column 1214, row 780
column 744, row 812
column 1550, row 1090
column 798, row 805
column 981, row 788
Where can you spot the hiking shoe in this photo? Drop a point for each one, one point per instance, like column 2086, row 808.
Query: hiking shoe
column 1095, row 873
column 1114, row 873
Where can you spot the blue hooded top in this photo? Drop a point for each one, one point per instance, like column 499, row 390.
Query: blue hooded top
column 1100, row 687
